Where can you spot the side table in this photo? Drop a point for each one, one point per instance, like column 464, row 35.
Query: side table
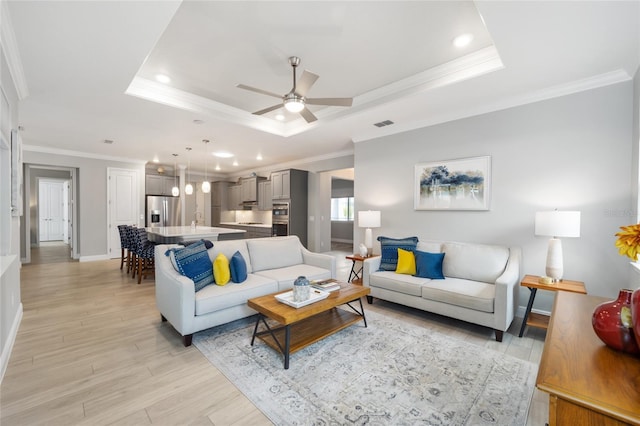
column 533, row 284
column 355, row 275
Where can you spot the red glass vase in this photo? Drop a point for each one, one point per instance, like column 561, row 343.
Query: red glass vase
column 635, row 314
column 612, row 323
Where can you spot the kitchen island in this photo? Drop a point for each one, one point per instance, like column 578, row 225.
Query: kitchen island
column 176, row 234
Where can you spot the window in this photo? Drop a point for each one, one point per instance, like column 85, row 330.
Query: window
column 342, row 208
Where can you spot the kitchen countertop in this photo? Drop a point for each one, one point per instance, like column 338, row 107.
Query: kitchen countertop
column 257, row 225
column 172, row 234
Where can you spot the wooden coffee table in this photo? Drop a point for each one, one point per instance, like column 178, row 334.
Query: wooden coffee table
column 300, row 327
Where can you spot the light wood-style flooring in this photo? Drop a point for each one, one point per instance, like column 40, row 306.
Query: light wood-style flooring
column 91, row 350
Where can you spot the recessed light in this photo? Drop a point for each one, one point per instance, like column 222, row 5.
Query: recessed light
column 259, row 157
column 235, row 163
column 280, row 117
column 156, row 159
column 217, row 167
column 462, row 40
column 161, row 78
column 223, row 154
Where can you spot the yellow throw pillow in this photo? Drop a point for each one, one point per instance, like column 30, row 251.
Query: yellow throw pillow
column 406, row 262
column 221, row 271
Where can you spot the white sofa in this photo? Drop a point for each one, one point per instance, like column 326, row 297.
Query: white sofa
column 272, row 265
column 480, row 286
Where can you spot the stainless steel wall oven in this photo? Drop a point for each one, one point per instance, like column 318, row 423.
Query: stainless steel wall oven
column 280, row 219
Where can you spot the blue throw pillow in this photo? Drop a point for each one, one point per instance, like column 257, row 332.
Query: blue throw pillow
column 193, row 262
column 389, row 250
column 238, row 268
column 429, row 265
column 208, row 244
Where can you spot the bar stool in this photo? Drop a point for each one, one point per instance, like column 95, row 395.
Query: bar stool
column 125, row 246
column 144, row 255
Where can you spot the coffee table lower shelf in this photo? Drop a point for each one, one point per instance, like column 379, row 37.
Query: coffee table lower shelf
column 305, row 332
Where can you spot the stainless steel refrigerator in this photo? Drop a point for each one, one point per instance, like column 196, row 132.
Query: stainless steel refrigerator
column 162, row 211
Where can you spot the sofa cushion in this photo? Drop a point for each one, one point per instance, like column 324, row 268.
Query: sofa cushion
column 214, row 298
column 389, row 250
column 406, row 262
column 229, row 248
column 193, row 262
column 287, row 275
column 474, row 295
column 238, row 268
column 273, row 253
column 477, row 262
column 221, row 271
column 429, row 265
column 406, row 284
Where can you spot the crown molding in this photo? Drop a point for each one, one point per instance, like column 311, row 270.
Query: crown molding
column 472, row 65
column 79, row 154
column 589, row 83
column 11, row 52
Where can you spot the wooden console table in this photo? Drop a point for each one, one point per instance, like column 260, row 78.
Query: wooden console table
column 588, row 383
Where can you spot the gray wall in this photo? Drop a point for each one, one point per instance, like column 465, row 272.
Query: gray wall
column 569, row 153
column 92, row 226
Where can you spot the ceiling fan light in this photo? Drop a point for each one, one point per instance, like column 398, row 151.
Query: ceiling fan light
column 294, row 105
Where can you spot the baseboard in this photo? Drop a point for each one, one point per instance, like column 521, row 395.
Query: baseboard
column 522, row 309
column 11, row 339
column 94, row 258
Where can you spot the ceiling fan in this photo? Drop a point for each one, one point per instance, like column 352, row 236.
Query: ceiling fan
column 296, row 100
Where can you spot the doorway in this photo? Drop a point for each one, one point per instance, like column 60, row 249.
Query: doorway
column 59, row 189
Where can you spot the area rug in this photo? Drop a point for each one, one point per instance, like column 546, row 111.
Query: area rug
column 390, row 373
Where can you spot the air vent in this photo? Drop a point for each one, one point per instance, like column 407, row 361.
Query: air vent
column 383, row 123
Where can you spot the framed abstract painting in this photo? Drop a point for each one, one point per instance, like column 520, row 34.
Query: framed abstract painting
column 461, row 184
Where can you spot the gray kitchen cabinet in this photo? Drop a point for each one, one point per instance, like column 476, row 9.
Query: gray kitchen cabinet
column 159, row 185
column 281, row 185
column 235, row 197
column 265, row 201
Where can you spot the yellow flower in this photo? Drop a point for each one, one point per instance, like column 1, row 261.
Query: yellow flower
column 628, row 241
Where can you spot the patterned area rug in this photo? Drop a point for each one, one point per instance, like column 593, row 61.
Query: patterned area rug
column 390, row 373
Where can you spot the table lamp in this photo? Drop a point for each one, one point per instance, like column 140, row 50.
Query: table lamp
column 556, row 224
column 368, row 219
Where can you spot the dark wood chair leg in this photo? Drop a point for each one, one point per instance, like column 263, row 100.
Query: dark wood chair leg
column 499, row 334
column 187, row 339
column 121, row 258
column 140, row 266
column 370, row 300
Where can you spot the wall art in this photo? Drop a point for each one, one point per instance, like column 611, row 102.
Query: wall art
column 461, row 184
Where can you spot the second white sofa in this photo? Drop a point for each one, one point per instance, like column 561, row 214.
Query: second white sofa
column 272, row 265
column 480, row 284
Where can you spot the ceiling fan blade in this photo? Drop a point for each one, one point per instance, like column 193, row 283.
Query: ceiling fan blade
column 329, row 101
column 308, row 115
column 306, row 81
column 253, row 89
column 266, row 110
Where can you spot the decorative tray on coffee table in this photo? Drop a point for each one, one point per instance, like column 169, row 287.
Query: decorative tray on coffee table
column 315, row 295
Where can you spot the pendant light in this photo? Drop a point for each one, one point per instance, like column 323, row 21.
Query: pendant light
column 188, row 189
column 175, row 191
column 206, row 186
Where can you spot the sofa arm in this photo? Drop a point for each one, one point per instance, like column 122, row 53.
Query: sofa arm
column 369, row 266
column 320, row 260
column 175, row 293
column 507, row 286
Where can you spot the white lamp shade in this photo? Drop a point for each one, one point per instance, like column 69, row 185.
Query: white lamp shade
column 206, row 187
column 558, row 224
column 369, row 219
column 175, row 191
column 188, row 189
column 293, row 105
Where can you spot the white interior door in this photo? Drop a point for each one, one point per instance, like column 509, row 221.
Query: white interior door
column 123, row 204
column 51, row 208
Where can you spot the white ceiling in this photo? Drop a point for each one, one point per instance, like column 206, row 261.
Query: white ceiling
column 89, row 70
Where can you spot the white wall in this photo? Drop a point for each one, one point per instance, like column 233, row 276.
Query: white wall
column 572, row 152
